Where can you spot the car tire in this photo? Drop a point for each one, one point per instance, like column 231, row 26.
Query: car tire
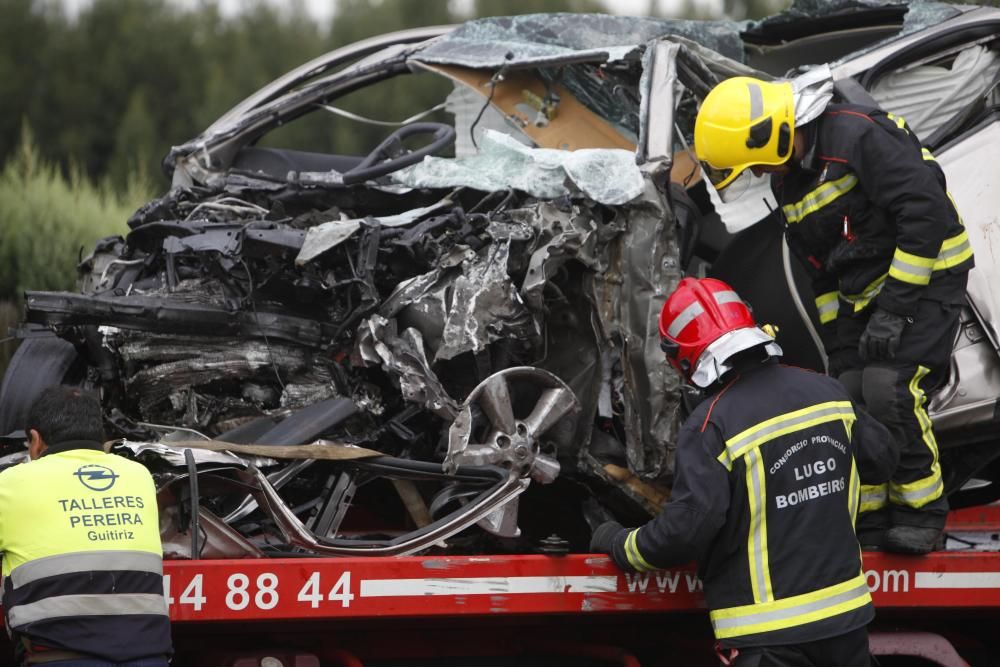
column 37, row 364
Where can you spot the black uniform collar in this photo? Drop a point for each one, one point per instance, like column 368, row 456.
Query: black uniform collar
column 68, row 445
column 811, row 133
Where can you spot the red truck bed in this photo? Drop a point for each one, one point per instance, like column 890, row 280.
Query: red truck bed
column 514, row 609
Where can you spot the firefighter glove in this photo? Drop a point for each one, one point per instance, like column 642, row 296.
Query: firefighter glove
column 603, row 539
column 839, row 361
column 881, row 337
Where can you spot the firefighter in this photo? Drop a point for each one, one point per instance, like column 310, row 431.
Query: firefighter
column 79, row 532
column 866, row 208
column 766, row 490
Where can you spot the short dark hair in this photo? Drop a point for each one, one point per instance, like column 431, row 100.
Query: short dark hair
column 61, row 414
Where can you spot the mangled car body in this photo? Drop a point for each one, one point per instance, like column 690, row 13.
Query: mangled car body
column 451, row 343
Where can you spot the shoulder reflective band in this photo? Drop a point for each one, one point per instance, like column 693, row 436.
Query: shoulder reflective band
column 635, row 558
column 687, row 315
column 827, row 306
column 898, row 120
column 927, row 155
column 820, row 197
column 755, row 436
column 791, row 612
column 102, row 561
column 69, row 606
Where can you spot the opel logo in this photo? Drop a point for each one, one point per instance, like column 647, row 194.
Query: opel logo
column 95, row 477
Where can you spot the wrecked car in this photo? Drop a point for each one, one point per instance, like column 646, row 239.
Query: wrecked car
column 450, row 343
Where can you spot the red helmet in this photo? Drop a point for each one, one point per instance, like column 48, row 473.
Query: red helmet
column 703, row 324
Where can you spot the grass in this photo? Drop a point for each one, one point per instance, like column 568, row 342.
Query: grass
column 48, row 221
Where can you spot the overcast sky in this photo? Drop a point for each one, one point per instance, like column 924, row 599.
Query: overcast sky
column 323, row 9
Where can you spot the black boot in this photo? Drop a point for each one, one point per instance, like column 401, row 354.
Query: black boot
column 914, row 539
column 917, row 531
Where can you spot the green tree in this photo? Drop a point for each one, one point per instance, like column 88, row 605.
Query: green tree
column 515, row 7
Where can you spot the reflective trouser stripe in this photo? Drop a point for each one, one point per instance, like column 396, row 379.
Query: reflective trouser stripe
column 791, row 612
column 819, row 197
column 827, row 306
column 854, row 492
column 68, row 606
column 927, row 155
column 91, row 561
column 635, row 558
column 760, row 574
column 757, row 435
column 919, row 493
column 873, row 497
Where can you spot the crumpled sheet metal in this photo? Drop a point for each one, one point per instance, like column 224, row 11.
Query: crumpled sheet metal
column 536, row 39
column 812, row 91
column 328, row 235
column 560, row 236
column 643, row 270
column 485, row 306
column 403, row 356
column 172, row 453
column 609, row 176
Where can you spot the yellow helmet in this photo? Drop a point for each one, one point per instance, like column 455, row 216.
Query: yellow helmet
column 744, row 122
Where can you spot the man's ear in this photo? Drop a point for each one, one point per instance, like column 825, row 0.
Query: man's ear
column 36, row 446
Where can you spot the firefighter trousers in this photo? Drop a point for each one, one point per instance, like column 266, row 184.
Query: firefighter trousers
column 896, row 393
column 847, row 650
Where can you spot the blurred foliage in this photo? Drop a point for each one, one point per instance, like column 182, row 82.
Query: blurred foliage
column 47, row 220
column 10, row 315
column 112, row 87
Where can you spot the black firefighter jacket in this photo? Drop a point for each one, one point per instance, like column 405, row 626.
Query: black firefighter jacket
column 868, row 211
column 765, row 496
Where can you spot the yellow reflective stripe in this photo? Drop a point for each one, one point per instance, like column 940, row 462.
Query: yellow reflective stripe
column 635, row 558
column 820, row 197
column 917, row 270
column 900, row 123
column 793, row 611
column 873, row 497
column 910, row 268
column 927, row 155
column 757, row 435
column 859, row 301
column 919, row 493
column 827, row 305
column 854, row 492
column 952, row 200
column 954, row 251
column 760, row 574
